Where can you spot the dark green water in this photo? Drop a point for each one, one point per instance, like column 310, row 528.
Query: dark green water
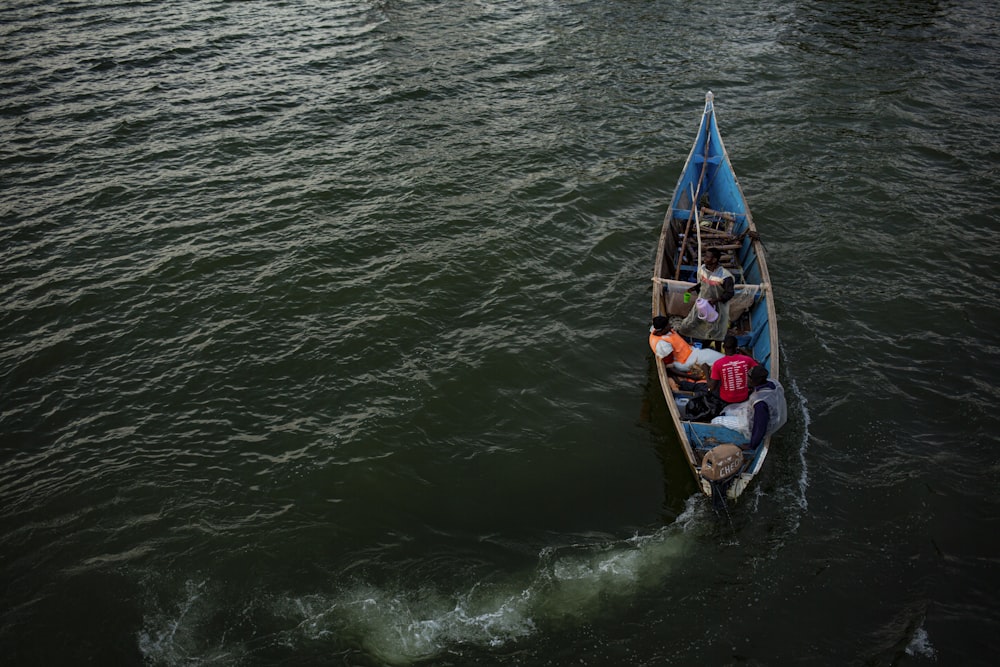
column 324, row 333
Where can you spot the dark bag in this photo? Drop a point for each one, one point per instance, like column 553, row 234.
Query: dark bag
column 703, row 407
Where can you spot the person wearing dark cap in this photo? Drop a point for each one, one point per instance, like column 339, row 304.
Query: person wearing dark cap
column 670, row 348
column 666, row 344
column 769, row 410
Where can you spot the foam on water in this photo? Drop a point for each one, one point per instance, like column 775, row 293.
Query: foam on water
column 803, row 445
column 175, row 637
column 571, row 583
column 401, row 626
column 920, row 645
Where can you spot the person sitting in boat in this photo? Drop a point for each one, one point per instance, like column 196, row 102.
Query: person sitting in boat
column 695, row 380
column 709, row 320
column 770, row 412
column 670, row 348
column 729, row 374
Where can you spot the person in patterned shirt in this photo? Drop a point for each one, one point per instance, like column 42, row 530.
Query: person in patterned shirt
column 729, row 374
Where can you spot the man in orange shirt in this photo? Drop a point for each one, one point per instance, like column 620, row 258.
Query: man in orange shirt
column 670, row 348
column 666, row 344
column 729, row 373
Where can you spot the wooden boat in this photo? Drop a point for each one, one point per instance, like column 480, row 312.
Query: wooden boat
column 708, row 209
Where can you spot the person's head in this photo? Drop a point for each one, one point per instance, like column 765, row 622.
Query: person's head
column 661, row 323
column 711, row 257
column 697, row 372
column 757, row 376
column 729, row 344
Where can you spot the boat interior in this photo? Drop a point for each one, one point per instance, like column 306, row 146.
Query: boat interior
column 729, row 232
column 679, row 257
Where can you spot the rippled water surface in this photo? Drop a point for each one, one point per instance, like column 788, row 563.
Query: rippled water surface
column 324, row 333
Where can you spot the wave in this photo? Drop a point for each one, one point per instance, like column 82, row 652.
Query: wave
column 402, row 624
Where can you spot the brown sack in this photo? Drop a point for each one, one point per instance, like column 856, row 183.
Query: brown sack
column 721, row 463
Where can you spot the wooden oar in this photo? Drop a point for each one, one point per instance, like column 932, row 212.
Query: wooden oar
column 687, row 232
column 693, row 215
column 697, row 227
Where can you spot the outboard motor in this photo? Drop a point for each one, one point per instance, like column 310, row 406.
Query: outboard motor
column 720, row 467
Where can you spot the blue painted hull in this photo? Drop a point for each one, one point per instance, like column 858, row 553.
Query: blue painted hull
column 708, row 209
